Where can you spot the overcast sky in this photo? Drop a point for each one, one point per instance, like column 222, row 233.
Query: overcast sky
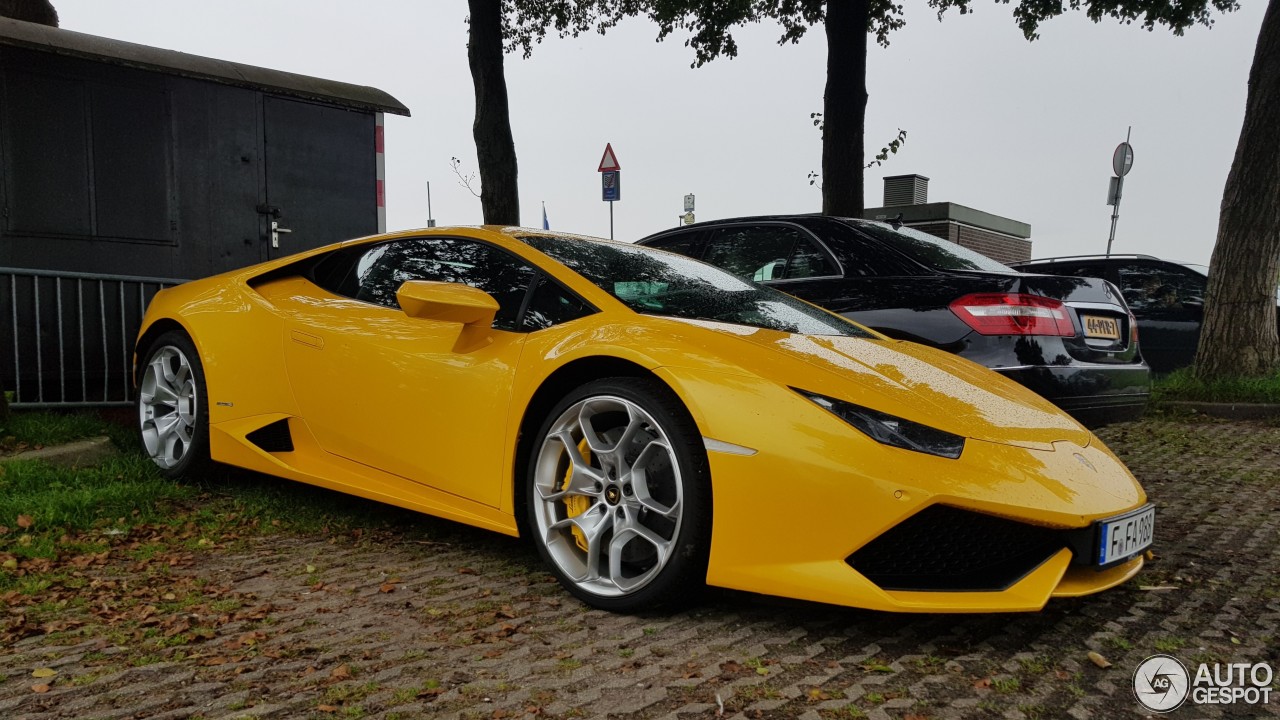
column 1018, row 129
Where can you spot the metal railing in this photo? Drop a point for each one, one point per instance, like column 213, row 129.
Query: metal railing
column 66, row 339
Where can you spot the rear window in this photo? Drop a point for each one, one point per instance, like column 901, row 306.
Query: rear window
column 932, row 251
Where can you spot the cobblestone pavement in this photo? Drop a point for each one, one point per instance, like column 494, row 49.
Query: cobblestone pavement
column 472, row 627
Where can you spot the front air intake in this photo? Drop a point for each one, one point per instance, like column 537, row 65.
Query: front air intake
column 946, row 548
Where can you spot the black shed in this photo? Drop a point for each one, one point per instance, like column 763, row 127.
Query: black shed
column 128, row 160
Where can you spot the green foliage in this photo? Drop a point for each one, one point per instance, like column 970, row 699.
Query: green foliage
column 1184, row 385
column 710, row 25
column 127, row 486
column 1177, row 15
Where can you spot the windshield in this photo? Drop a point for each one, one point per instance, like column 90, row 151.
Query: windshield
column 653, row 282
column 932, row 251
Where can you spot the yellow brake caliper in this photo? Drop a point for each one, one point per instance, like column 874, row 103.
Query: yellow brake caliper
column 575, row 505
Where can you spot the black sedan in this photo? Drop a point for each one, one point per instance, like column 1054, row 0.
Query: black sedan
column 1167, row 298
column 1070, row 339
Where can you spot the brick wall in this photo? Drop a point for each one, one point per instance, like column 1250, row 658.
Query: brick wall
column 997, row 246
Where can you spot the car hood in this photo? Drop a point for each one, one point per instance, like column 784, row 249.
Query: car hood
column 914, row 382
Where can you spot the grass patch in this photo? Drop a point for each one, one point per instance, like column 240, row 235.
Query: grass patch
column 59, row 499
column 32, row 428
column 1183, row 385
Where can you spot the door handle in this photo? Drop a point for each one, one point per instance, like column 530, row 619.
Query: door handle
column 275, row 233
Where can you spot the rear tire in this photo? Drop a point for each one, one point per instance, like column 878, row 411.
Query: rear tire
column 173, row 408
column 619, row 499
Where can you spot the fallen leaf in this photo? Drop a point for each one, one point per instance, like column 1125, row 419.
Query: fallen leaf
column 816, row 695
column 1158, row 588
column 983, row 683
column 43, row 673
column 386, row 588
column 342, row 672
column 1235, row 641
column 41, row 688
column 466, row 571
column 25, row 521
column 1097, row 659
column 311, row 569
column 327, row 708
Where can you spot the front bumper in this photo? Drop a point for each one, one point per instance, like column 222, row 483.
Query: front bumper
column 787, row 517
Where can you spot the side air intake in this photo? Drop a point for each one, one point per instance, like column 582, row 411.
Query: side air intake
column 273, row 438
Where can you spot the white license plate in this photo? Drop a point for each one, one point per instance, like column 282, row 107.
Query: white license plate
column 1124, row 537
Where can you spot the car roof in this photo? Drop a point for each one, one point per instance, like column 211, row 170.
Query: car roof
column 802, row 218
column 1075, row 258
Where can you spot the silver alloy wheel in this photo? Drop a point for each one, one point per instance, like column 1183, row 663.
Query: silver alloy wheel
column 624, row 499
column 167, row 408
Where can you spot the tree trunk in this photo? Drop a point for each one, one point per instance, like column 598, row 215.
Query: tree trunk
column 495, row 150
column 1239, row 334
column 36, row 11
column 844, row 108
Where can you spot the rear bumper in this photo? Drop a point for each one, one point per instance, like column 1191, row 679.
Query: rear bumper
column 1095, row 395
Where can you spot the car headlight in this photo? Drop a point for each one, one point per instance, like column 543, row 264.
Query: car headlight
column 890, row 430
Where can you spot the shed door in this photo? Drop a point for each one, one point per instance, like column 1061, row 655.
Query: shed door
column 320, row 174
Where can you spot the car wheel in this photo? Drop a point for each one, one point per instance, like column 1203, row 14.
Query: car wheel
column 619, row 496
column 173, row 413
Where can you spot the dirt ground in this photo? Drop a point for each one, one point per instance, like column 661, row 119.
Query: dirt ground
column 470, row 626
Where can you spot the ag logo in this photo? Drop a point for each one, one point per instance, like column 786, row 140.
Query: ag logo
column 1161, row 683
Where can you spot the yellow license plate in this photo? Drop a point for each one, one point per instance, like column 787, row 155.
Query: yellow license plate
column 1101, row 327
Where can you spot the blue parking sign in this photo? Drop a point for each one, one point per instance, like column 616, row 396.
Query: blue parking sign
column 611, row 185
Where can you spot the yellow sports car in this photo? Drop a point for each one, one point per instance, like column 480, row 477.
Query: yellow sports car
column 652, row 423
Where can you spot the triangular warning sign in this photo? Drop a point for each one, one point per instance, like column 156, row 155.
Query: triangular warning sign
column 609, row 163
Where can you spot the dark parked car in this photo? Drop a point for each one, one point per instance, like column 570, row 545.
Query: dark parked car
column 1167, row 298
column 1070, row 339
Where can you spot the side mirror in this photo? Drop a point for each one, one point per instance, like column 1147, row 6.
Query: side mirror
column 447, row 302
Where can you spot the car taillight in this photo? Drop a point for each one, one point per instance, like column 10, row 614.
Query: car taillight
column 1133, row 329
column 1013, row 314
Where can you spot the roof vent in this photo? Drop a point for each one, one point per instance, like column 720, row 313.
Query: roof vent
column 906, row 190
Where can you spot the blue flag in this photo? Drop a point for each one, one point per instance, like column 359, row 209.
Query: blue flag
column 545, row 224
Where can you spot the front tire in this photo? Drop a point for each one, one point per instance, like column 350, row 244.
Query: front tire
column 173, row 412
column 619, row 501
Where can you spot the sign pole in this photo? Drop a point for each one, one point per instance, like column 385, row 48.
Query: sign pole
column 1121, row 163
column 610, row 181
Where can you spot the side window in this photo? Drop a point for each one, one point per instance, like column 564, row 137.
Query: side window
column 552, row 305
column 808, row 260
column 1152, row 288
column 381, row 270
column 768, row 252
column 687, row 244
